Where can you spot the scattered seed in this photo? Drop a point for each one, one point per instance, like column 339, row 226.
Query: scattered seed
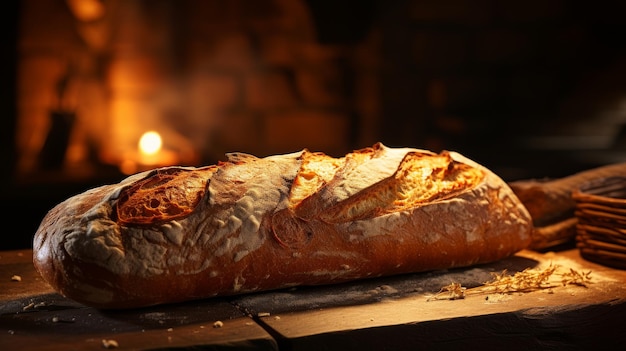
column 110, row 344
column 525, row 281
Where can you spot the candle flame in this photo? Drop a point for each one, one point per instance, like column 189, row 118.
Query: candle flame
column 150, row 143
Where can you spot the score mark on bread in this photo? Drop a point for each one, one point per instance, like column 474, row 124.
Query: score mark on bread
column 165, row 195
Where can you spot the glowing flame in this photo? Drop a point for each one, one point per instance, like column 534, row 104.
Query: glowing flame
column 150, row 143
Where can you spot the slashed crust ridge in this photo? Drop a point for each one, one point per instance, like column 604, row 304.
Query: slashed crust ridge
column 363, row 185
column 167, row 194
column 420, row 178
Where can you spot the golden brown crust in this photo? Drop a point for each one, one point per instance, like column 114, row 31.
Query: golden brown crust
column 169, row 194
column 255, row 224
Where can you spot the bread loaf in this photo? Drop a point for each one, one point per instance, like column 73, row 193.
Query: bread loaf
column 251, row 224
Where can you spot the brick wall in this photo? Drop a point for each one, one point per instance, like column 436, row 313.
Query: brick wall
column 220, row 76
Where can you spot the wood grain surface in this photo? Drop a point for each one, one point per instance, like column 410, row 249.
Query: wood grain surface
column 393, row 313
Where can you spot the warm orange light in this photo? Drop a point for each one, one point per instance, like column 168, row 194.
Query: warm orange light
column 87, row 10
column 151, row 152
column 150, row 143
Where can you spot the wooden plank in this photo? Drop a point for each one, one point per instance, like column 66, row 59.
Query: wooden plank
column 399, row 313
column 34, row 317
column 396, row 313
column 18, row 265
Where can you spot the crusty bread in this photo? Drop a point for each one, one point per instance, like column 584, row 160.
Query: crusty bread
column 251, row 224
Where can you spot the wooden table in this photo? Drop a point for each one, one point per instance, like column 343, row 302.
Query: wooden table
column 394, row 313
